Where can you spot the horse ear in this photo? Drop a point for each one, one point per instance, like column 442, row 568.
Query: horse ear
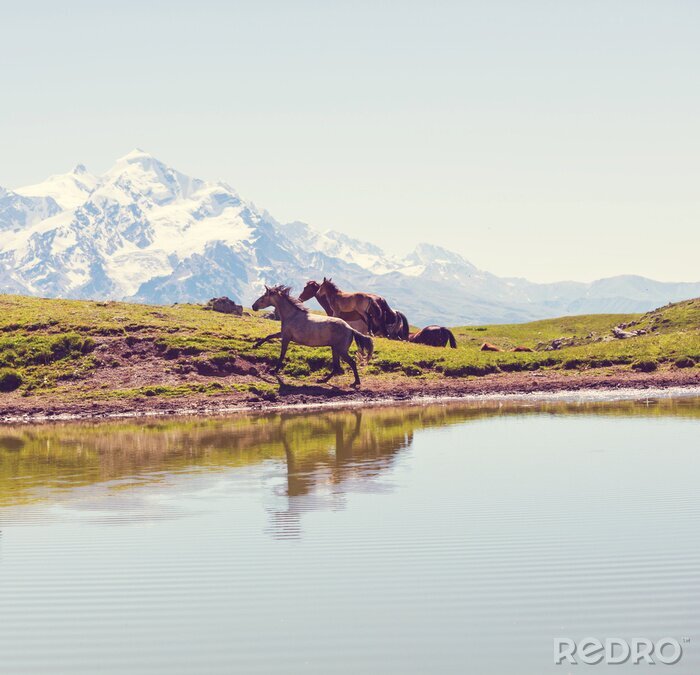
column 267, row 288
column 324, row 280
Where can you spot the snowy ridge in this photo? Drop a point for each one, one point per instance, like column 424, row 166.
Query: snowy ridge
column 146, row 232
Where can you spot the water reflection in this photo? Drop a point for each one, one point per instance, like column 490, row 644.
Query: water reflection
column 449, row 539
column 327, row 454
column 318, row 456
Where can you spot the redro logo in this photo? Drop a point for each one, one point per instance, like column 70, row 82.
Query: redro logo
column 615, row 651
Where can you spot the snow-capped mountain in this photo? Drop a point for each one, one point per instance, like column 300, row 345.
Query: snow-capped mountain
column 68, row 190
column 17, row 211
column 143, row 231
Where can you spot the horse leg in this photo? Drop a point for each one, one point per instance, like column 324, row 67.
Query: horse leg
column 283, row 353
column 374, row 326
column 262, row 341
column 336, row 368
column 348, row 359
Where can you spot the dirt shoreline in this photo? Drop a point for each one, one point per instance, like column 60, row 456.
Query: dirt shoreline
column 538, row 386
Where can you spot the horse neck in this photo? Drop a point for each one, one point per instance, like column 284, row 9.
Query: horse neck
column 331, row 297
column 323, row 301
column 284, row 307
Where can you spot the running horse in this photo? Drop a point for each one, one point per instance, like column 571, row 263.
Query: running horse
column 365, row 304
column 312, row 330
column 354, row 319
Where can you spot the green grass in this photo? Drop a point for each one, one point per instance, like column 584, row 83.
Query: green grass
column 48, row 344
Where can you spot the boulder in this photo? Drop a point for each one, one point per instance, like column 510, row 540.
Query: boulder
column 224, row 305
column 621, row 334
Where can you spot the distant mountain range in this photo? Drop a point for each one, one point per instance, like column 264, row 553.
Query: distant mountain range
column 142, row 231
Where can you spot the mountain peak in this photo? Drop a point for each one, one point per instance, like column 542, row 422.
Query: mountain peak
column 141, row 172
column 69, row 190
column 138, row 157
column 426, row 253
column 135, row 155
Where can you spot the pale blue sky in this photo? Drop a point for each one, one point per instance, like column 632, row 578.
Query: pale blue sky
column 550, row 140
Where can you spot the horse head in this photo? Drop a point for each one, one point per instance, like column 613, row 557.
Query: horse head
column 264, row 300
column 309, row 291
column 327, row 287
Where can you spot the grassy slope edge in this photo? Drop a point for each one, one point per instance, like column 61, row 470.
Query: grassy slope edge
column 85, row 350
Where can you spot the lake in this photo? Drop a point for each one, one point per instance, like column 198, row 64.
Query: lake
column 459, row 538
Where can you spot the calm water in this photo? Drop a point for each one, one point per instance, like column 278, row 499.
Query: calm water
column 441, row 539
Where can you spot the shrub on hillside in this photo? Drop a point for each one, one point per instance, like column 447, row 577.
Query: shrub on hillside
column 645, row 366
column 9, row 379
column 685, row 362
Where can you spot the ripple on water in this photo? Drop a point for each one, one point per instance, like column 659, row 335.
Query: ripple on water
column 438, row 538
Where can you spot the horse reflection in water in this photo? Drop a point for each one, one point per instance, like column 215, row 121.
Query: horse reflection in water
column 328, row 456
column 311, row 460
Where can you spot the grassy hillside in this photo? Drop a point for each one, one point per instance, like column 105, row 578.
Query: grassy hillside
column 102, row 350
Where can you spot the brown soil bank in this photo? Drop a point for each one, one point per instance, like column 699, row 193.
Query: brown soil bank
column 289, row 393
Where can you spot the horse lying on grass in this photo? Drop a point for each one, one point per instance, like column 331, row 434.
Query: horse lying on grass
column 435, row 336
column 312, row 330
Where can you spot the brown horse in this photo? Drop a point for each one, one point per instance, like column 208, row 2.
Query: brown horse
column 312, row 330
column 355, row 319
column 395, row 323
column 398, row 329
column 435, row 336
column 363, row 303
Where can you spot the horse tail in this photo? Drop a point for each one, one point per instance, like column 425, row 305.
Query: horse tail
column 451, row 338
column 404, row 326
column 364, row 343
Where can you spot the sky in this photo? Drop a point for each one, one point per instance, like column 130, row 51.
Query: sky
column 545, row 139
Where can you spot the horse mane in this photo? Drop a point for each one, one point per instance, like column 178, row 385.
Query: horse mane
column 284, row 292
column 331, row 284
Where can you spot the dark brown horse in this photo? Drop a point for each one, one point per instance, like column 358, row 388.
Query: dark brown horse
column 355, row 319
column 365, row 304
column 435, row 336
column 398, row 329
